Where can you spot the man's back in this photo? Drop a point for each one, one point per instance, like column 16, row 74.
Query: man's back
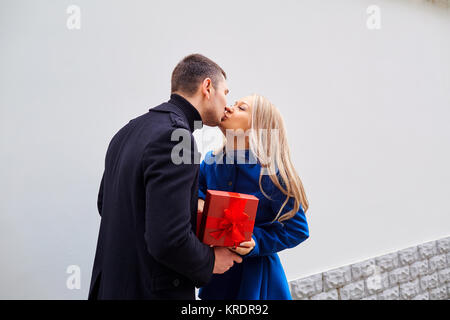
column 148, row 207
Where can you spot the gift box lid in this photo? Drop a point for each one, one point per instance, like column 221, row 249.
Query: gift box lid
column 231, row 194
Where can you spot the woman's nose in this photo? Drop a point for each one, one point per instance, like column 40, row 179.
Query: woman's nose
column 229, row 109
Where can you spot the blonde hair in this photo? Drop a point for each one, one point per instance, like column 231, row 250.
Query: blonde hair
column 268, row 143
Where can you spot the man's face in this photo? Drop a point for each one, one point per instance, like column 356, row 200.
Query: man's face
column 217, row 103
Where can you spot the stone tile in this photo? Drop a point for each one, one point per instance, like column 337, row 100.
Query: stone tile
column 372, row 297
column 427, row 250
column 399, row 275
column 408, row 255
column 444, row 276
column 387, row 262
column 328, row 295
column 389, row 294
column 409, row 289
column 337, row 277
column 439, row 293
column 437, row 262
column 428, row 282
column 363, row 269
column 422, row 296
column 443, row 245
column 419, row 268
column 352, row 291
column 307, row 286
column 376, row 283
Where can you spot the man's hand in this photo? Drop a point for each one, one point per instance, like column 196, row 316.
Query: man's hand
column 244, row 248
column 224, row 259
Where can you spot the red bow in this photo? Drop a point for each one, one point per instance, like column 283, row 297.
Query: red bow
column 232, row 225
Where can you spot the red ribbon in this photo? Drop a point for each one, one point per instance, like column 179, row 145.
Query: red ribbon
column 233, row 224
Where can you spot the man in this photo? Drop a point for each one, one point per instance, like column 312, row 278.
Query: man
column 147, row 248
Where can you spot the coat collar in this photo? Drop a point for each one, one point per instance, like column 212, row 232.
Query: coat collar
column 188, row 109
column 242, row 156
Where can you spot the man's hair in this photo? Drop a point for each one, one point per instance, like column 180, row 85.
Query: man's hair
column 192, row 70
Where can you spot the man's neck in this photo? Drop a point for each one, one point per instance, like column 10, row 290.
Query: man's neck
column 195, row 101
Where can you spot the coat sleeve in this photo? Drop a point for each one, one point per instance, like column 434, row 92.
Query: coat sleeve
column 168, row 229
column 273, row 237
column 100, row 196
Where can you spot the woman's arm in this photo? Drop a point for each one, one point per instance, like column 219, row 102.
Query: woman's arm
column 274, row 237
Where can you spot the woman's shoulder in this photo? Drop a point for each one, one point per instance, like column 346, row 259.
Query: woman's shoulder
column 209, row 155
column 215, row 154
column 210, row 158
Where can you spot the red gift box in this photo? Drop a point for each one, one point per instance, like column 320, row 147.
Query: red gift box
column 227, row 219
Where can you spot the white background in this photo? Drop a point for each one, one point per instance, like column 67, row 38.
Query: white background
column 367, row 114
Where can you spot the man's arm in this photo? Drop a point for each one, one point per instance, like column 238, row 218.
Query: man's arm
column 168, row 230
column 100, row 196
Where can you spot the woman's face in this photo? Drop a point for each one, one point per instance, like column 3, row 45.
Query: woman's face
column 238, row 116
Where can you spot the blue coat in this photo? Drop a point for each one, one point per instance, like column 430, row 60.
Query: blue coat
column 260, row 276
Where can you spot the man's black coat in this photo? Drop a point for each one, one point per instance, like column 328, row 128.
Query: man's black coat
column 147, row 248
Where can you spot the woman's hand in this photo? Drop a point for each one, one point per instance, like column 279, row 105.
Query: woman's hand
column 244, row 248
column 201, row 203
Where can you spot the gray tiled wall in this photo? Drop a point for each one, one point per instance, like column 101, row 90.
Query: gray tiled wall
column 420, row 272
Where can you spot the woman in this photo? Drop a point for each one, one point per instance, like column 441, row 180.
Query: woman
column 255, row 160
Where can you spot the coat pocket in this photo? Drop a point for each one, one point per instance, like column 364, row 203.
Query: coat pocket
column 165, row 282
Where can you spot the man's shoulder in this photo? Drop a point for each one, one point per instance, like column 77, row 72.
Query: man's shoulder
column 170, row 112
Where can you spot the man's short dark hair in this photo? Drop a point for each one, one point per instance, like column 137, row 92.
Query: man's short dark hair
column 192, row 70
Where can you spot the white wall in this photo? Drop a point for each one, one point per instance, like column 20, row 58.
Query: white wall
column 366, row 111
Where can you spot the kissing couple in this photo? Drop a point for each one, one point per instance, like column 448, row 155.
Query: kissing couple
column 147, row 246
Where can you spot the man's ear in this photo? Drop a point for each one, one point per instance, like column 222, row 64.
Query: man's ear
column 206, row 87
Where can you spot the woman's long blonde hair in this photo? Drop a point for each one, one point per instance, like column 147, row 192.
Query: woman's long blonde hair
column 268, row 143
